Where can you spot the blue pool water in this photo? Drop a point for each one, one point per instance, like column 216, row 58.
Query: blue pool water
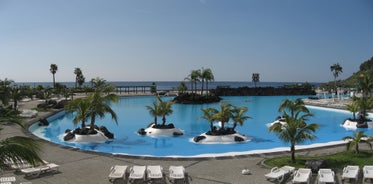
column 133, row 115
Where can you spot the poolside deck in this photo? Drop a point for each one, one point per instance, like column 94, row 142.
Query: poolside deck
column 78, row 166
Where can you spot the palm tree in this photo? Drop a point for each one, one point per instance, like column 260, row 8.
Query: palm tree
column 182, row 87
column 359, row 137
column 206, row 75
column 6, row 91
column 209, row 115
column 99, row 106
column 193, row 77
column 224, row 114
column 365, row 84
column 364, row 105
column 353, row 107
column 165, row 109
column 294, row 107
column 53, row 69
column 82, row 108
column 154, row 110
column 336, row 69
column 296, row 130
column 78, row 73
column 17, row 149
column 239, row 116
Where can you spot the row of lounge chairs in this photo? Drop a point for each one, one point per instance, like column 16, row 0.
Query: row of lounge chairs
column 153, row 173
column 28, row 169
column 324, row 175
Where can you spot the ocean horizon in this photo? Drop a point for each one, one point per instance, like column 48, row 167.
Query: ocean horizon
column 172, row 85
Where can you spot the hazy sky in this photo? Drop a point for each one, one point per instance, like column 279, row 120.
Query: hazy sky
column 163, row 40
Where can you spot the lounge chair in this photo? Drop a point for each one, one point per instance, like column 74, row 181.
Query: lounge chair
column 350, row 172
column 177, row 174
column 7, row 180
column 367, row 172
column 154, row 173
column 326, row 176
column 279, row 173
column 36, row 171
column 302, row 175
column 137, row 173
column 117, row 172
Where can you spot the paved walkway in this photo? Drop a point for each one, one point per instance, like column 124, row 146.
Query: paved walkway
column 78, row 166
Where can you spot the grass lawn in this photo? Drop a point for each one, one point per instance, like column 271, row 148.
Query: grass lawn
column 338, row 160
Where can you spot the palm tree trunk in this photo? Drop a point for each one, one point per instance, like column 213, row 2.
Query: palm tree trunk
column 207, row 87
column 203, row 81
column 164, row 120
column 54, row 81
column 292, row 150
column 93, row 119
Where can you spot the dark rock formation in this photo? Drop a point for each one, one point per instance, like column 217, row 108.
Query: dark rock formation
column 141, row 131
column 187, row 98
column 198, row 138
column 262, row 91
column 106, row 132
column 68, row 136
column 43, row 122
column 238, row 139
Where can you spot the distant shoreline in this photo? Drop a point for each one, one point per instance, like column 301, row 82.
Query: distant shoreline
column 172, row 85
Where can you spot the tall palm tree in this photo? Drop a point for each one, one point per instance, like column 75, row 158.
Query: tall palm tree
column 99, row 105
column 209, row 115
column 239, row 116
column 6, row 91
column 17, row 149
column 82, row 108
column 154, row 110
column 224, row 114
column 365, row 84
column 194, row 78
column 206, row 75
column 364, row 104
column 165, row 109
column 296, row 130
column 336, row 70
column 78, row 73
column 53, row 69
column 359, row 137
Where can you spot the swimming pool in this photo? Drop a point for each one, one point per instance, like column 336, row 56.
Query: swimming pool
column 132, row 115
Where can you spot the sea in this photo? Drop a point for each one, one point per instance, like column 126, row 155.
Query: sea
column 172, row 85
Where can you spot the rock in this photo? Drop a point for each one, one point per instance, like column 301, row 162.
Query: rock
column 141, row 131
column 238, row 139
column 43, row 122
column 106, row 132
column 198, row 138
column 177, row 133
column 68, row 136
column 67, row 130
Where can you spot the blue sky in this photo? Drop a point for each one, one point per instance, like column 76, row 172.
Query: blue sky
column 163, row 40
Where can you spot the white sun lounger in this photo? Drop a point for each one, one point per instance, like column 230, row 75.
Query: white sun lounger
column 7, row 180
column 279, row 173
column 302, row 175
column 117, row 172
column 36, row 171
column 177, row 173
column 368, row 172
column 154, row 172
column 326, row 176
column 137, row 173
column 350, row 172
